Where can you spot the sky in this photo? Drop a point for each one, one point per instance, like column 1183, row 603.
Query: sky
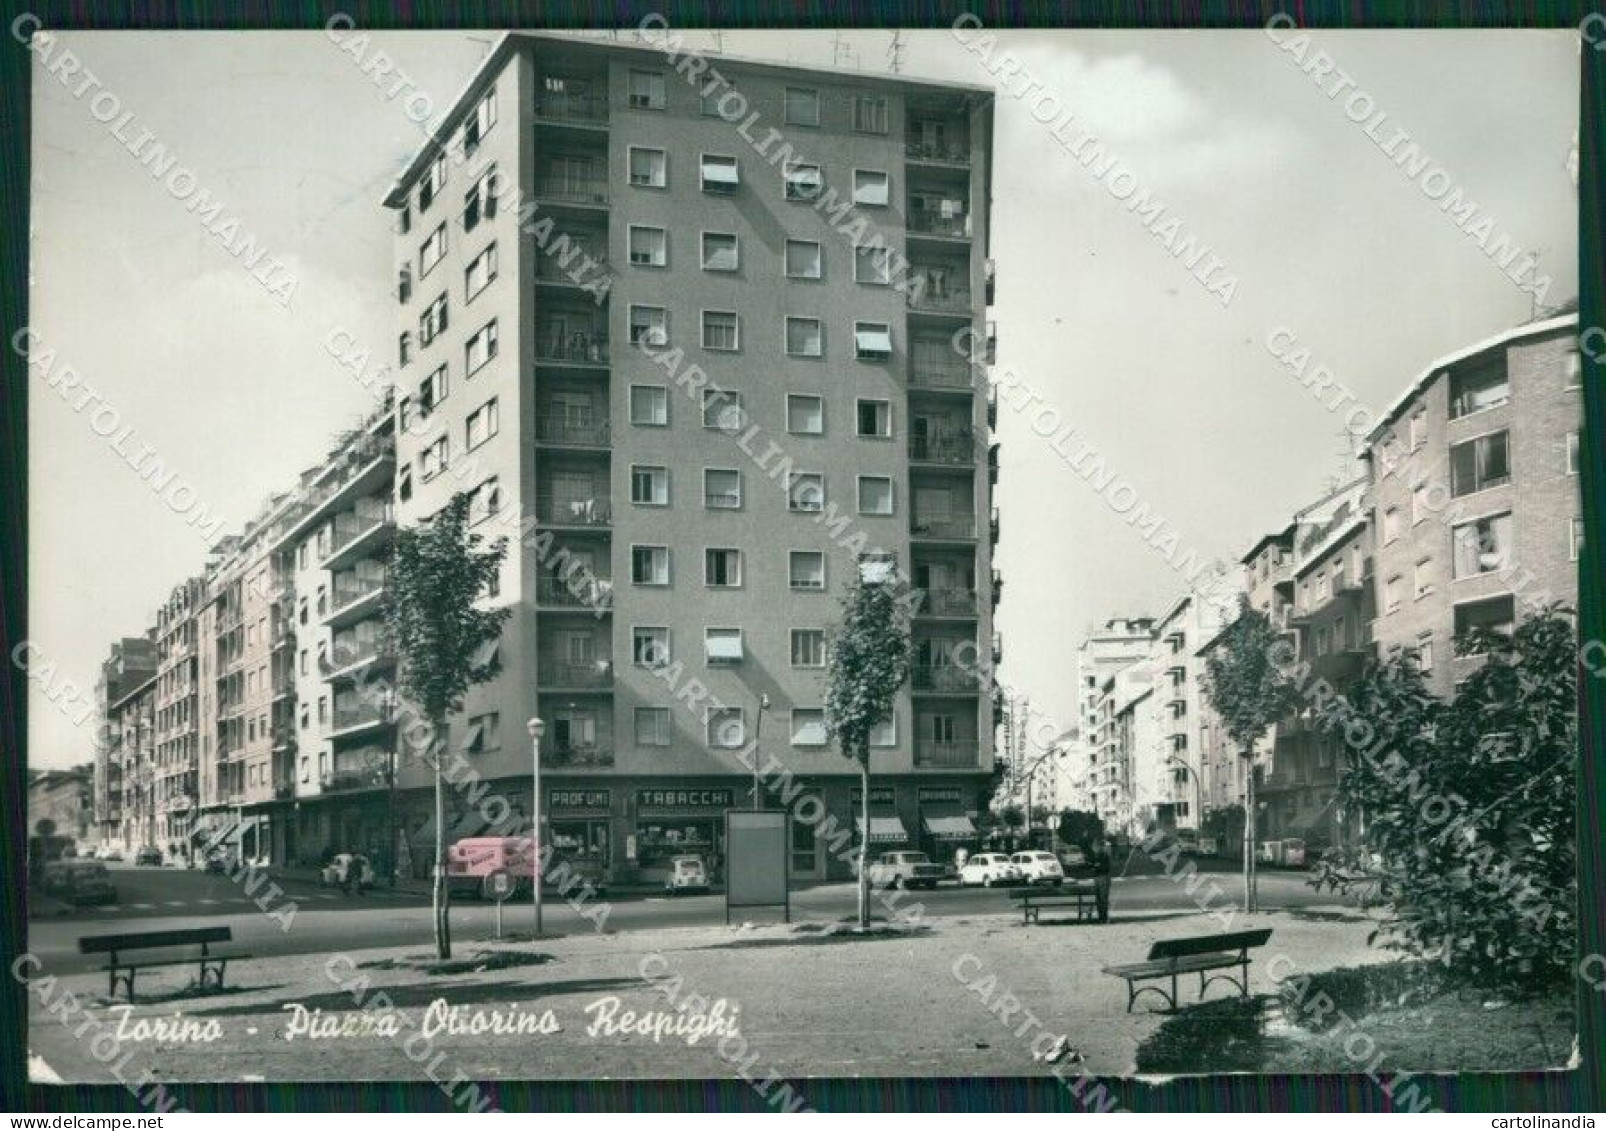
column 1325, row 235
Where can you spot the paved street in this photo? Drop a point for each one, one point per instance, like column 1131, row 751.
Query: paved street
column 326, row 920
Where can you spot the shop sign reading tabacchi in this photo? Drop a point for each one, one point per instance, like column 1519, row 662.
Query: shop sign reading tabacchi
column 683, row 798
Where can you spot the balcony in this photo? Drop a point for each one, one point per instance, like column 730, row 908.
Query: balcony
column 565, row 432
column 595, row 676
column 581, row 591
column 939, row 292
column 956, row 755
column 993, row 526
column 572, row 189
column 358, row 535
column 351, row 601
column 284, row 738
column 581, row 271
column 570, row 347
column 356, row 718
column 951, row 450
column 945, row 678
column 937, row 526
column 948, row 603
column 572, row 755
column 284, row 683
column 941, row 369
column 941, row 224
column 349, row 780
column 585, row 109
column 592, row 513
column 284, row 791
column 938, row 150
column 350, row 659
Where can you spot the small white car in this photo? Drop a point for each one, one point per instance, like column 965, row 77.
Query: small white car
column 346, row 871
column 1038, row 868
column 686, row 873
column 988, row 869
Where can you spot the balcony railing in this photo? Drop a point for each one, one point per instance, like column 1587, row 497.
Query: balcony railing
column 961, row 753
column 943, row 526
column 585, row 346
column 925, row 293
column 598, row 674
column 565, row 432
column 348, row 527
column 927, row 221
column 942, row 371
column 365, row 777
column 574, row 512
column 573, row 189
column 948, row 603
column 582, row 270
column 953, row 152
column 560, row 107
column 578, row 592
column 594, row 755
column 943, row 449
column 349, row 591
column 363, row 714
column 355, row 653
column 942, row 677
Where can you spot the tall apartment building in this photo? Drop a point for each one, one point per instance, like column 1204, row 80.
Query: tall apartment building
column 1178, row 673
column 1127, row 754
column 179, row 717
column 1473, row 477
column 132, row 731
column 583, row 228
column 130, row 663
column 1119, row 643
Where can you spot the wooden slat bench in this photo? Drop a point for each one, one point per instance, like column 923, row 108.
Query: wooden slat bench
column 1199, row 954
column 1032, row 900
column 211, row 966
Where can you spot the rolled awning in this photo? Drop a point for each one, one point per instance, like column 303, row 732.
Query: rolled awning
column 884, row 830
column 873, row 341
column 720, row 173
column 228, row 832
column 950, row 828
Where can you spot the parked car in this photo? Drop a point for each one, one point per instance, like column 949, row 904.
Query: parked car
column 149, row 857
column 348, row 870
column 1071, row 857
column 86, row 882
column 686, row 873
column 1038, row 867
column 988, row 869
column 219, row 862
column 905, row 870
column 108, row 852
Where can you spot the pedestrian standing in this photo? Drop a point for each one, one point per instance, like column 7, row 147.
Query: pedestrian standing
column 1098, row 860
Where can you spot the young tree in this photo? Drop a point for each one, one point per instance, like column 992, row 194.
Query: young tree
column 439, row 571
column 1250, row 691
column 867, row 662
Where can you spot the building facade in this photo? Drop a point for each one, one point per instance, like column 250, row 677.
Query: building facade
column 130, row 663
column 1119, row 643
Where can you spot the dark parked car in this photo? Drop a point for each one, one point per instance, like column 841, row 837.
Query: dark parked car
column 149, row 856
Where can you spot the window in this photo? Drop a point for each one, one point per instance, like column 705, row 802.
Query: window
column 1424, row 652
column 649, row 406
column 431, row 250
column 1572, row 453
column 806, row 569
column 646, row 90
column 1419, row 429
column 648, row 167
column 479, row 203
column 875, row 418
column 720, row 330
column 652, row 726
column 1481, row 546
column 870, row 114
column 1497, row 614
column 802, row 106
column 434, row 180
column 649, row 325
column 432, row 459
column 1575, row 539
column 871, row 187
column 803, row 260
column 806, row 492
column 720, row 174
column 432, row 323
column 481, row 425
column 1473, row 390
column 649, row 647
column 1391, row 525
column 480, row 348
column 720, row 252
column 872, row 265
column 808, row 726
column 722, row 488
column 808, row 647
column 1479, row 464
column 803, row 181
column 804, row 337
column 722, row 568
column 649, row 247
column 875, row 494
column 475, row 129
column 484, row 501
column 1321, row 650
column 1424, row 577
column 404, row 283
column 872, row 341
column 805, row 414
column 649, row 486
column 433, row 390
column 726, row 730
column 1420, row 510
column 885, row 732
column 479, row 273
column 649, row 565
column 1393, row 593
column 404, row 348
column 723, row 645
column 722, row 410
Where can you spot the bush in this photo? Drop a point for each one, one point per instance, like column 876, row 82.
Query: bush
column 1468, row 806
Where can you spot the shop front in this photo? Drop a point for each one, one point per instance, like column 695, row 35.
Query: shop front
column 680, row 821
column 888, row 831
column 580, row 826
column 945, row 826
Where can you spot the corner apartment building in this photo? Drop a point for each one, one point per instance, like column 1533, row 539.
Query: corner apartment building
column 179, row 717
column 1473, row 477
column 1119, row 643
column 130, row 663
column 132, row 731
column 582, row 227
column 1178, row 674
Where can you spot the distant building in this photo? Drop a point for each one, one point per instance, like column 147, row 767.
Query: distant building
column 1119, row 643
column 61, row 804
column 131, row 662
column 1178, row 680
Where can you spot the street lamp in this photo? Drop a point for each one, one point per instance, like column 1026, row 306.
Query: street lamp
column 1031, row 776
column 1198, row 790
column 758, row 736
column 536, row 728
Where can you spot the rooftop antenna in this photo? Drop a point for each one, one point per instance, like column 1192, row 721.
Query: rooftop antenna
column 895, row 53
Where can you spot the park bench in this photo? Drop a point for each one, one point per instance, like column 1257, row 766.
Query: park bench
column 1032, row 900
column 1199, row 954
column 209, row 965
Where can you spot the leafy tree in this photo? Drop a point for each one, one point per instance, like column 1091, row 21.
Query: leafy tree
column 1080, row 827
column 1469, row 805
column 868, row 659
column 439, row 571
column 1250, row 691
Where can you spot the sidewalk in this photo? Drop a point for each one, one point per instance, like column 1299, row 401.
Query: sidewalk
column 806, row 1003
